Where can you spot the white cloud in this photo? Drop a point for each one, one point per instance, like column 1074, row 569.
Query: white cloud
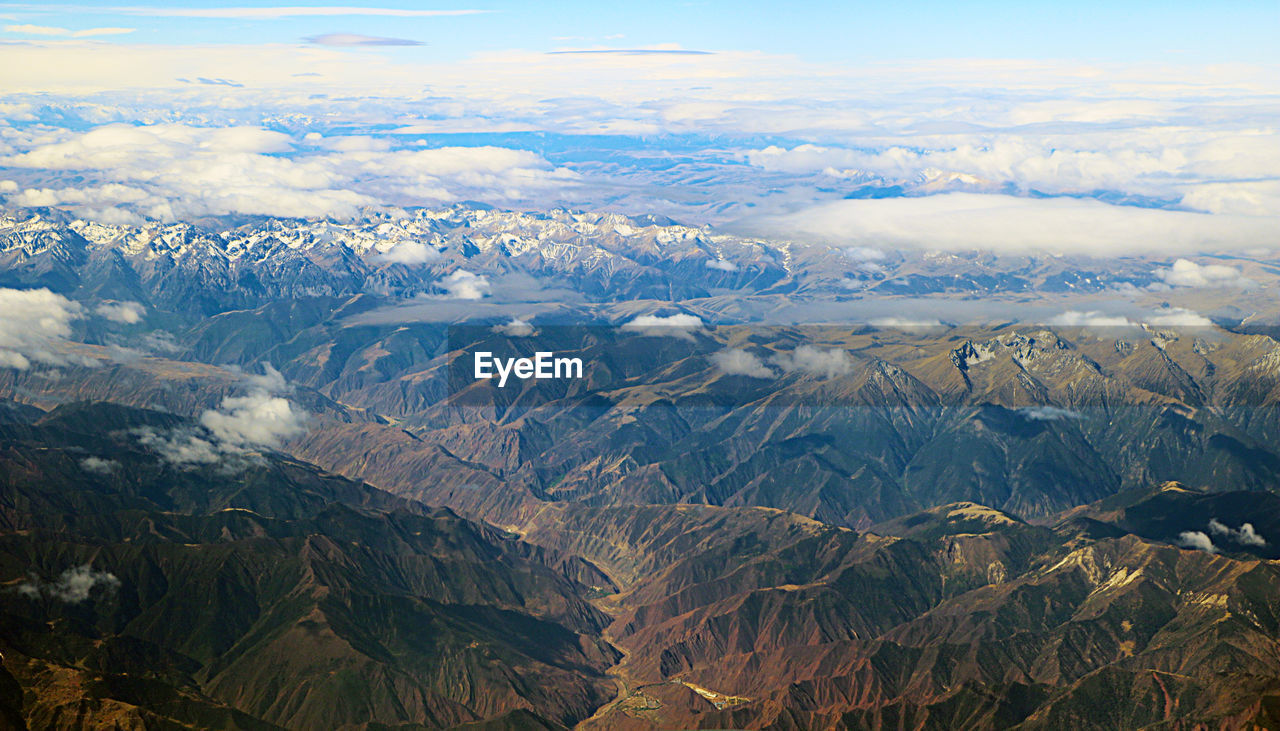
column 1245, row 535
column 409, row 253
column 175, row 171
column 867, row 258
column 73, row 586
column 1049, row 413
column 45, row 30
column 1179, row 317
column 98, row 465
column 180, row 446
column 736, row 362
column 905, row 323
column 465, row 285
column 260, row 419
column 517, row 328
column 127, row 312
column 34, row 327
column 254, row 421
column 722, row 265
column 159, row 341
column 291, row 11
column 1092, row 318
column 1196, row 540
column 680, row 325
column 36, row 30
column 270, row 381
column 815, row 361
column 1187, row 273
column 1003, row 223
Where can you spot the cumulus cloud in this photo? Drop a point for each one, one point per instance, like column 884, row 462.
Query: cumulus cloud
column 1005, row 223
column 517, row 328
column 127, row 312
column 737, row 362
column 465, row 285
column 261, row 419
column 73, row 586
column 680, row 325
column 34, row 327
column 98, row 465
column 722, row 265
column 254, row 421
column 1245, row 535
column 1057, row 161
column 173, row 171
column 270, row 381
column 1049, row 413
column 1196, row 540
column 815, row 361
column 409, row 253
column 180, row 446
column 1187, row 273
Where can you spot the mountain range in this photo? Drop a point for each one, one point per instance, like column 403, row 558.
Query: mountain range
column 248, row 481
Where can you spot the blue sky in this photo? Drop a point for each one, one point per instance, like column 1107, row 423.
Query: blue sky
column 1242, row 31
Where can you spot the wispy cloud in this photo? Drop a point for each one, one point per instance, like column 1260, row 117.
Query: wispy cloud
column 631, row 52
column 53, row 31
column 289, row 11
column 355, row 40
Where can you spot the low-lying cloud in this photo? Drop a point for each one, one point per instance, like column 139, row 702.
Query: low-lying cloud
column 35, row 325
column 410, row 253
column 1187, row 273
column 516, row 328
column 72, row 586
column 1245, row 535
column 1196, row 540
column 811, row 360
column 99, row 465
column 1049, row 413
column 465, row 285
column 680, row 325
column 1011, row 224
column 129, row 312
column 737, row 362
column 261, row 419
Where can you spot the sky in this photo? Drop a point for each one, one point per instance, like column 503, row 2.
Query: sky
column 861, row 32
column 1154, row 126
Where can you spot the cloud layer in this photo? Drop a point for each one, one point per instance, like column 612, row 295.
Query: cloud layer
column 34, row 327
column 1010, row 224
column 171, row 171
